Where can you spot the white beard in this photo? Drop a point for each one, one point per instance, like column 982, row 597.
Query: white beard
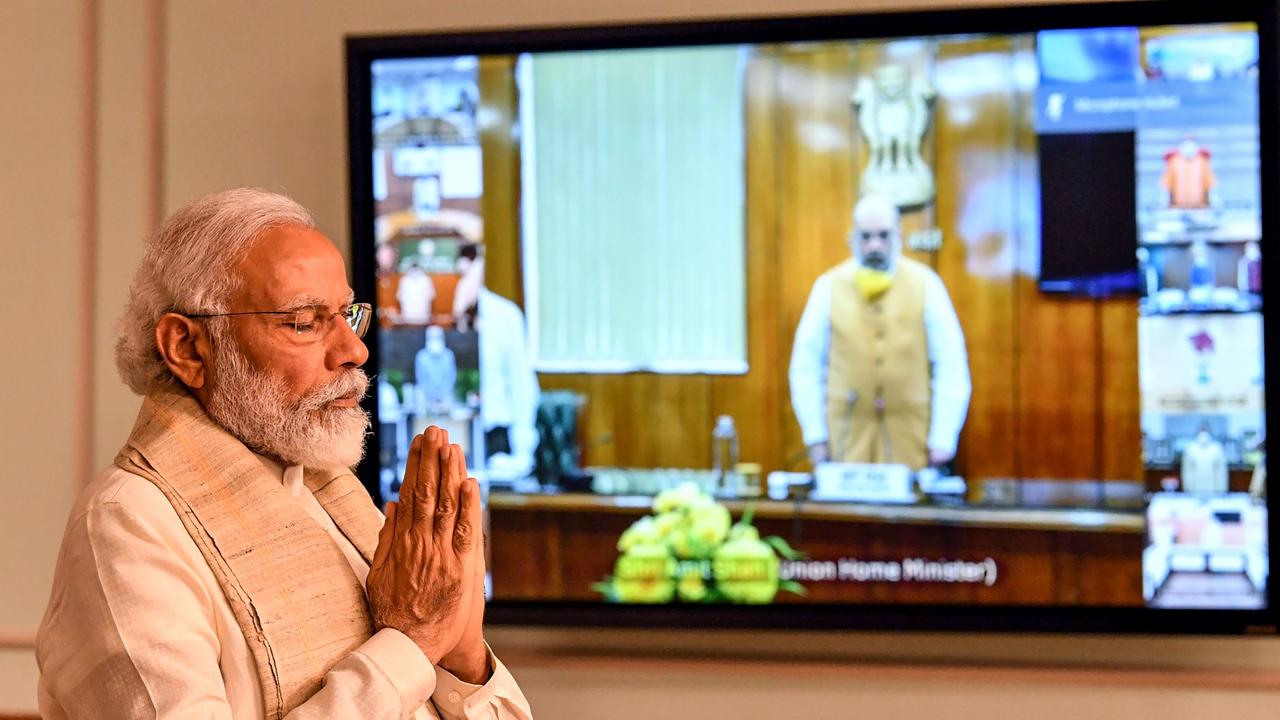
column 255, row 407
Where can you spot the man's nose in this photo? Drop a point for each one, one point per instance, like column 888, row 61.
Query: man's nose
column 345, row 348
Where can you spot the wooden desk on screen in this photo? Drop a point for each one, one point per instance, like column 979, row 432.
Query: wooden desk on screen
column 547, row 547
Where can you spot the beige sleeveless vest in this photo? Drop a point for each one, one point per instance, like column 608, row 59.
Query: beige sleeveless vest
column 291, row 589
column 878, row 369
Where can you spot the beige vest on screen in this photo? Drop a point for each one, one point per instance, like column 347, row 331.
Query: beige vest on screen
column 292, row 591
column 878, row 371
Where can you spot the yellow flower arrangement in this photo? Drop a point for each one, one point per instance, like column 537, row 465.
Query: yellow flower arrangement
column 691, row 550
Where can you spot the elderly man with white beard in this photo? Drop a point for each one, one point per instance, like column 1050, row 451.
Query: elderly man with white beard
column 228, row 564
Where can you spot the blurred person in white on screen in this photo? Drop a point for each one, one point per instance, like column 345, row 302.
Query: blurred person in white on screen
column 509, row 391
column 878, row 370
column 228, row 564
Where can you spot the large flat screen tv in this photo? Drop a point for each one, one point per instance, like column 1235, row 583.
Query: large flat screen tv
column 947, row 320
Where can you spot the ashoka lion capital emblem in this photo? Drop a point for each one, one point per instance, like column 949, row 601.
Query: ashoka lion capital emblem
column 893, row 107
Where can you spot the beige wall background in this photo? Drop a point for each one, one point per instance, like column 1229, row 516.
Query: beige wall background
column 117, row 111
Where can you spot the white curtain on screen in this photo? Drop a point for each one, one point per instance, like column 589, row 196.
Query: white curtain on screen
column 632, row 205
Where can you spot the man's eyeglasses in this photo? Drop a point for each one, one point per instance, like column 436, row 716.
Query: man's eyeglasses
column 313, row 322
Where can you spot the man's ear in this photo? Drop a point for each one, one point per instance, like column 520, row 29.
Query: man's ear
column 184, row 345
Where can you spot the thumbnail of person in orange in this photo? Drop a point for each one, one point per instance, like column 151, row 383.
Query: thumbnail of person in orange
column 1188, row 179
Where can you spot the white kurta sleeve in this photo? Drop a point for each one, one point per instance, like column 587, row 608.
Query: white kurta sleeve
column 808, row 372
column 131, row 632
column 390, row 658
column 500, row 698
column 950, row 386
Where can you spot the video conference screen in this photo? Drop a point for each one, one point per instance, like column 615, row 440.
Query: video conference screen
column 970, row 319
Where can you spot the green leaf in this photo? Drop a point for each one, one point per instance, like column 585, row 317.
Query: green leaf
column 783, row 549
column 792, row 586
column 604, row 587
column 749, row 514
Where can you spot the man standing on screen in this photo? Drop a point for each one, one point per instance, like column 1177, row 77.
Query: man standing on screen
column 508, row 384
column 228, row 564
column 878, row 370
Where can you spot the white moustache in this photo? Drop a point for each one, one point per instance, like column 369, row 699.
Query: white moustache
column 354, row 383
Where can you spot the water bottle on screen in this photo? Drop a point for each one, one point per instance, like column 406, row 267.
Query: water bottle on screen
column 724, row 451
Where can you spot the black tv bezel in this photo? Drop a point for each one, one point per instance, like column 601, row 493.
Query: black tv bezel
column 361, row 51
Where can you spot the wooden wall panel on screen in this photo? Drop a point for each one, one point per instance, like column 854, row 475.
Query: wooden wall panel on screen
column 500, row 162
column 1058, row 379
column 975, row 127
column 1119, row 402
column 664, row 421
column 641, row 419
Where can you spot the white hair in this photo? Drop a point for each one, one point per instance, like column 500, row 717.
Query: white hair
column 188, row 266
column 876, row 207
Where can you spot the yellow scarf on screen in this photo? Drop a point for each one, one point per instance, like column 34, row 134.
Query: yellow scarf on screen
column 871, row 284
column 292, row 591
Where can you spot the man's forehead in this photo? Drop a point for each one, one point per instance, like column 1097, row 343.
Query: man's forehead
column 875, row 211
column 294, row 267
column 875, row 217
